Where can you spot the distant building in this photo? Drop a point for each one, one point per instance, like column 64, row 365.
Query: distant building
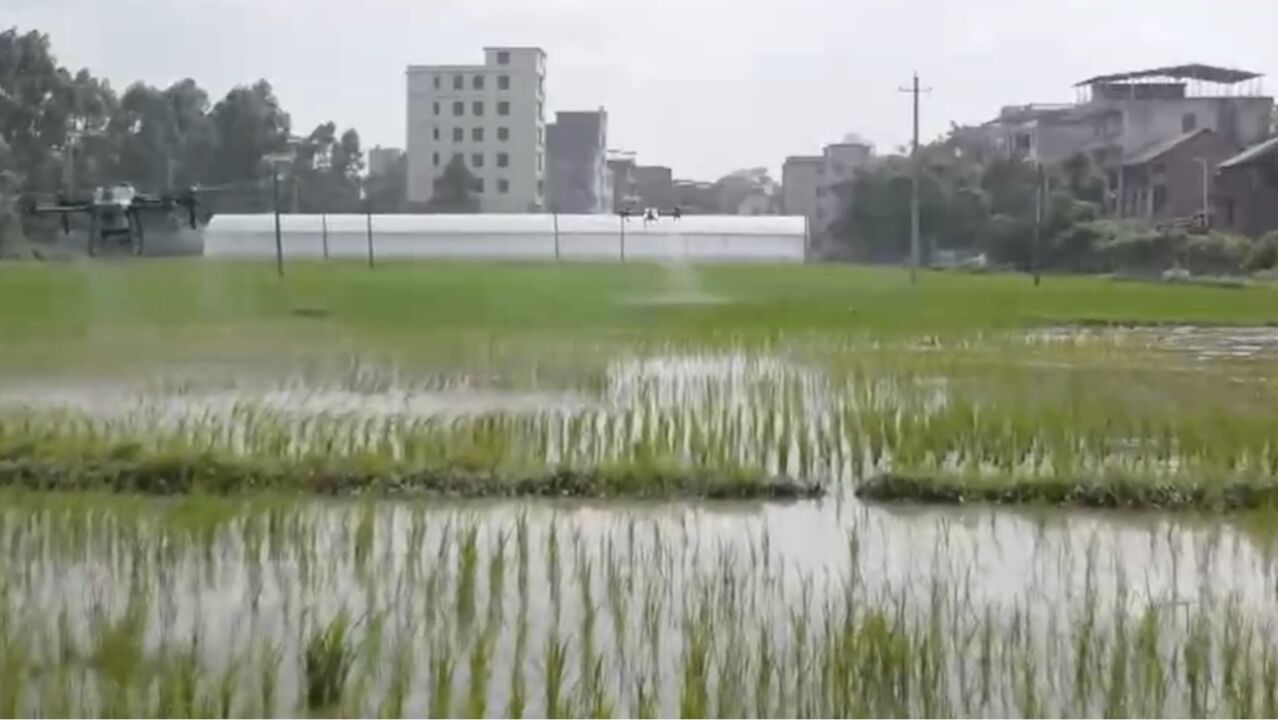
column 757, row 203
column 693, row 197
column 654, row 185
column 1247, row 190
column 621, row 174
column 1172, row 179
column 492, row 117
column 801, row 176
column 1122, row 115
column 381, row 160
column 809, row 183
column 577, row 177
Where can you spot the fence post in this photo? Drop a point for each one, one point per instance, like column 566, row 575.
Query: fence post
column 555, row 216
column 324, row 230
column 279, row 242
column 621, row 218
column 368, row 217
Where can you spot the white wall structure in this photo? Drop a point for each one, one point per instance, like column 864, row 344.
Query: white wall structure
column 490, row 115
column 692, row 238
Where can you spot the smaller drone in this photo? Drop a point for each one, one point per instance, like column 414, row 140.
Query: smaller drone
column 650, row 214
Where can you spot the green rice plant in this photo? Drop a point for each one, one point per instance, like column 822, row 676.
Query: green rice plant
column 327, row 660
column 555, row 661
column 441, row 677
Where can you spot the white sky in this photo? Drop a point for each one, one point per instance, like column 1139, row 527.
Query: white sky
column 705, row 86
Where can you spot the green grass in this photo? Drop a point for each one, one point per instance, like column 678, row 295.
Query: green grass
column 105, row 313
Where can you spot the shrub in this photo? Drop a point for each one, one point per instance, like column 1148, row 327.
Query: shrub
column 1263, row 254
column 1216, row 253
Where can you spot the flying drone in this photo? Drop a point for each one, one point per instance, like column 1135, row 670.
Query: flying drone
column 115, row 214
column 650, row 214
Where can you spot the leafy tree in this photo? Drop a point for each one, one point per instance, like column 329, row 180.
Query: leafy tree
column 388, row 193
column 196, row 140
column 250, row 124
column 453, row 189
column 44, row 110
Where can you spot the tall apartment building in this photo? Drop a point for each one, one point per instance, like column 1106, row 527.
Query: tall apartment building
column 577, row 177
column 492, row 117
column 809, row 183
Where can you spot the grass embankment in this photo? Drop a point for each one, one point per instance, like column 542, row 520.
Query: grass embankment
column 202, row 473
column 1105, row 491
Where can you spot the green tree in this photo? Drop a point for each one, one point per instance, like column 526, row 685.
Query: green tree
column 454, row 188
column 48, row 114
column 250, row 124
column 196, row 138
column 388, row 193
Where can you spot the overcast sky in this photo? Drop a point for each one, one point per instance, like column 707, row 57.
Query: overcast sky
column 705, row 86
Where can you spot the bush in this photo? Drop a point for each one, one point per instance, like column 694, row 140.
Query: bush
column 1263, row 254
column 1216, row 253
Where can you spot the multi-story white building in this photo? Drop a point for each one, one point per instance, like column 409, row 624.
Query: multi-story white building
column 810, row 183
column 492, row 116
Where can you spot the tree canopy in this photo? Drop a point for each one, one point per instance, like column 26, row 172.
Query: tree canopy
column 63, row 130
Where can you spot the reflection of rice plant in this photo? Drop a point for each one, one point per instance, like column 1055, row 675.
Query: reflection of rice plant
column 327, row 661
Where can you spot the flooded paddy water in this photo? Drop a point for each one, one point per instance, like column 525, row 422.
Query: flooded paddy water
column 833, row 606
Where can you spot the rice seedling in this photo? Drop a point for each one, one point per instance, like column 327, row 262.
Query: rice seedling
column 327, row 663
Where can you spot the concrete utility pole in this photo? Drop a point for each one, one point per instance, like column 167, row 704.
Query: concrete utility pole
column 915, row 171
column 1038, row 222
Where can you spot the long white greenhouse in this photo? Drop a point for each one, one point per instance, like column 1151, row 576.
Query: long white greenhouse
column 692, row 238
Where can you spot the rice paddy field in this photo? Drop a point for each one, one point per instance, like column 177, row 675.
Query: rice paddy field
column 633, row 490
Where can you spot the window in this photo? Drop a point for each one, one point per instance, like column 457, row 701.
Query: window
column 479, row 185
column 503, row 108
column 503, row 82
column 541, row 187
column 437, row 82
column 477, row 134
column 459, row 108
column 541, row 110
column 503, row 57
column 435, row 158
column 1229, row 212
column 541, row 135
column 540, row 161
column 477, row 160
column 503, row 185
column 1160, row 198
column 435, row 132
column 503, row 134
column 477, row 107
column 478, row 82
column 457, row 157
column 1188, row 122
column 503, row 160
column 436, row 108
column 459, row 82
column 459, row 134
